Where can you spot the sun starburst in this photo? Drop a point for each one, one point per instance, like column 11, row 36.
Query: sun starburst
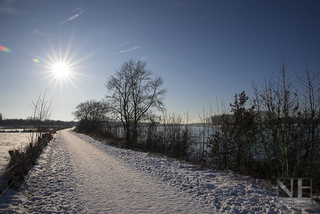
column 61, row 70
column 61, row 65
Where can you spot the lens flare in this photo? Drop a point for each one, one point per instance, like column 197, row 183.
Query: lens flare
column 5, row 49
column 36, row 60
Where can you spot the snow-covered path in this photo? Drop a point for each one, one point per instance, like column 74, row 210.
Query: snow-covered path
column 80, row 175
column 109, row 185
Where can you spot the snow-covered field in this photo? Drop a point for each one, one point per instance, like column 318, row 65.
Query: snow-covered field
column 80, row 175
column 9, row 141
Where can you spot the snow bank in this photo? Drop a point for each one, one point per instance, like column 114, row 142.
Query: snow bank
column 222, row 192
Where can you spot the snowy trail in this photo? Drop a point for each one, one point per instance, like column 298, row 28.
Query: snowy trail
column 76, row 174
column 107, row 185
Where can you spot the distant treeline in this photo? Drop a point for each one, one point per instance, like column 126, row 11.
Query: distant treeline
column 29, row 122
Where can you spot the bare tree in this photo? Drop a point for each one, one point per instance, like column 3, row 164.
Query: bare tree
column 278, row 107
column 91, row 113
column 133, row 94
column 41, row 112
column 311, row 91
column 287, row 106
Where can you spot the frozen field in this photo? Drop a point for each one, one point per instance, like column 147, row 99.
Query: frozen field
column 9, row 141
column 76, row 174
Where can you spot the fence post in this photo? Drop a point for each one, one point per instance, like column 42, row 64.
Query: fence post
column 11, row 153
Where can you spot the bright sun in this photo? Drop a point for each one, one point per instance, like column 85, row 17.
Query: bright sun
column 61, row 70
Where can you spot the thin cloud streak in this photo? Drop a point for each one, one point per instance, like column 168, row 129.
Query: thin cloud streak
column 36, row 32
column 123, row 44
column 79, row 8
column 5, row 8
column 208, row 15
column 9, row 10
column 131, row 49
column 74, row 16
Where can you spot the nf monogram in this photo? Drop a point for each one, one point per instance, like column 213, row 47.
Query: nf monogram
column 295, row 190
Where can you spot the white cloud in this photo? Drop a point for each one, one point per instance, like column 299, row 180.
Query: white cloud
column 123, row 44
column 80, row 9
column 131, row 49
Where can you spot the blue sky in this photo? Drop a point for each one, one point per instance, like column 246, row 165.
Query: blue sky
column 204, row 50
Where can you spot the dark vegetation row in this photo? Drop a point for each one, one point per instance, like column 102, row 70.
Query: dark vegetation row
column 272, row 134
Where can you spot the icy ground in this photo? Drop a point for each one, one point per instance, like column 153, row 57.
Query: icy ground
column 76, row 174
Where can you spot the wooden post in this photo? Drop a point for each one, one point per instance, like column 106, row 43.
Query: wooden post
column 11, row 153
